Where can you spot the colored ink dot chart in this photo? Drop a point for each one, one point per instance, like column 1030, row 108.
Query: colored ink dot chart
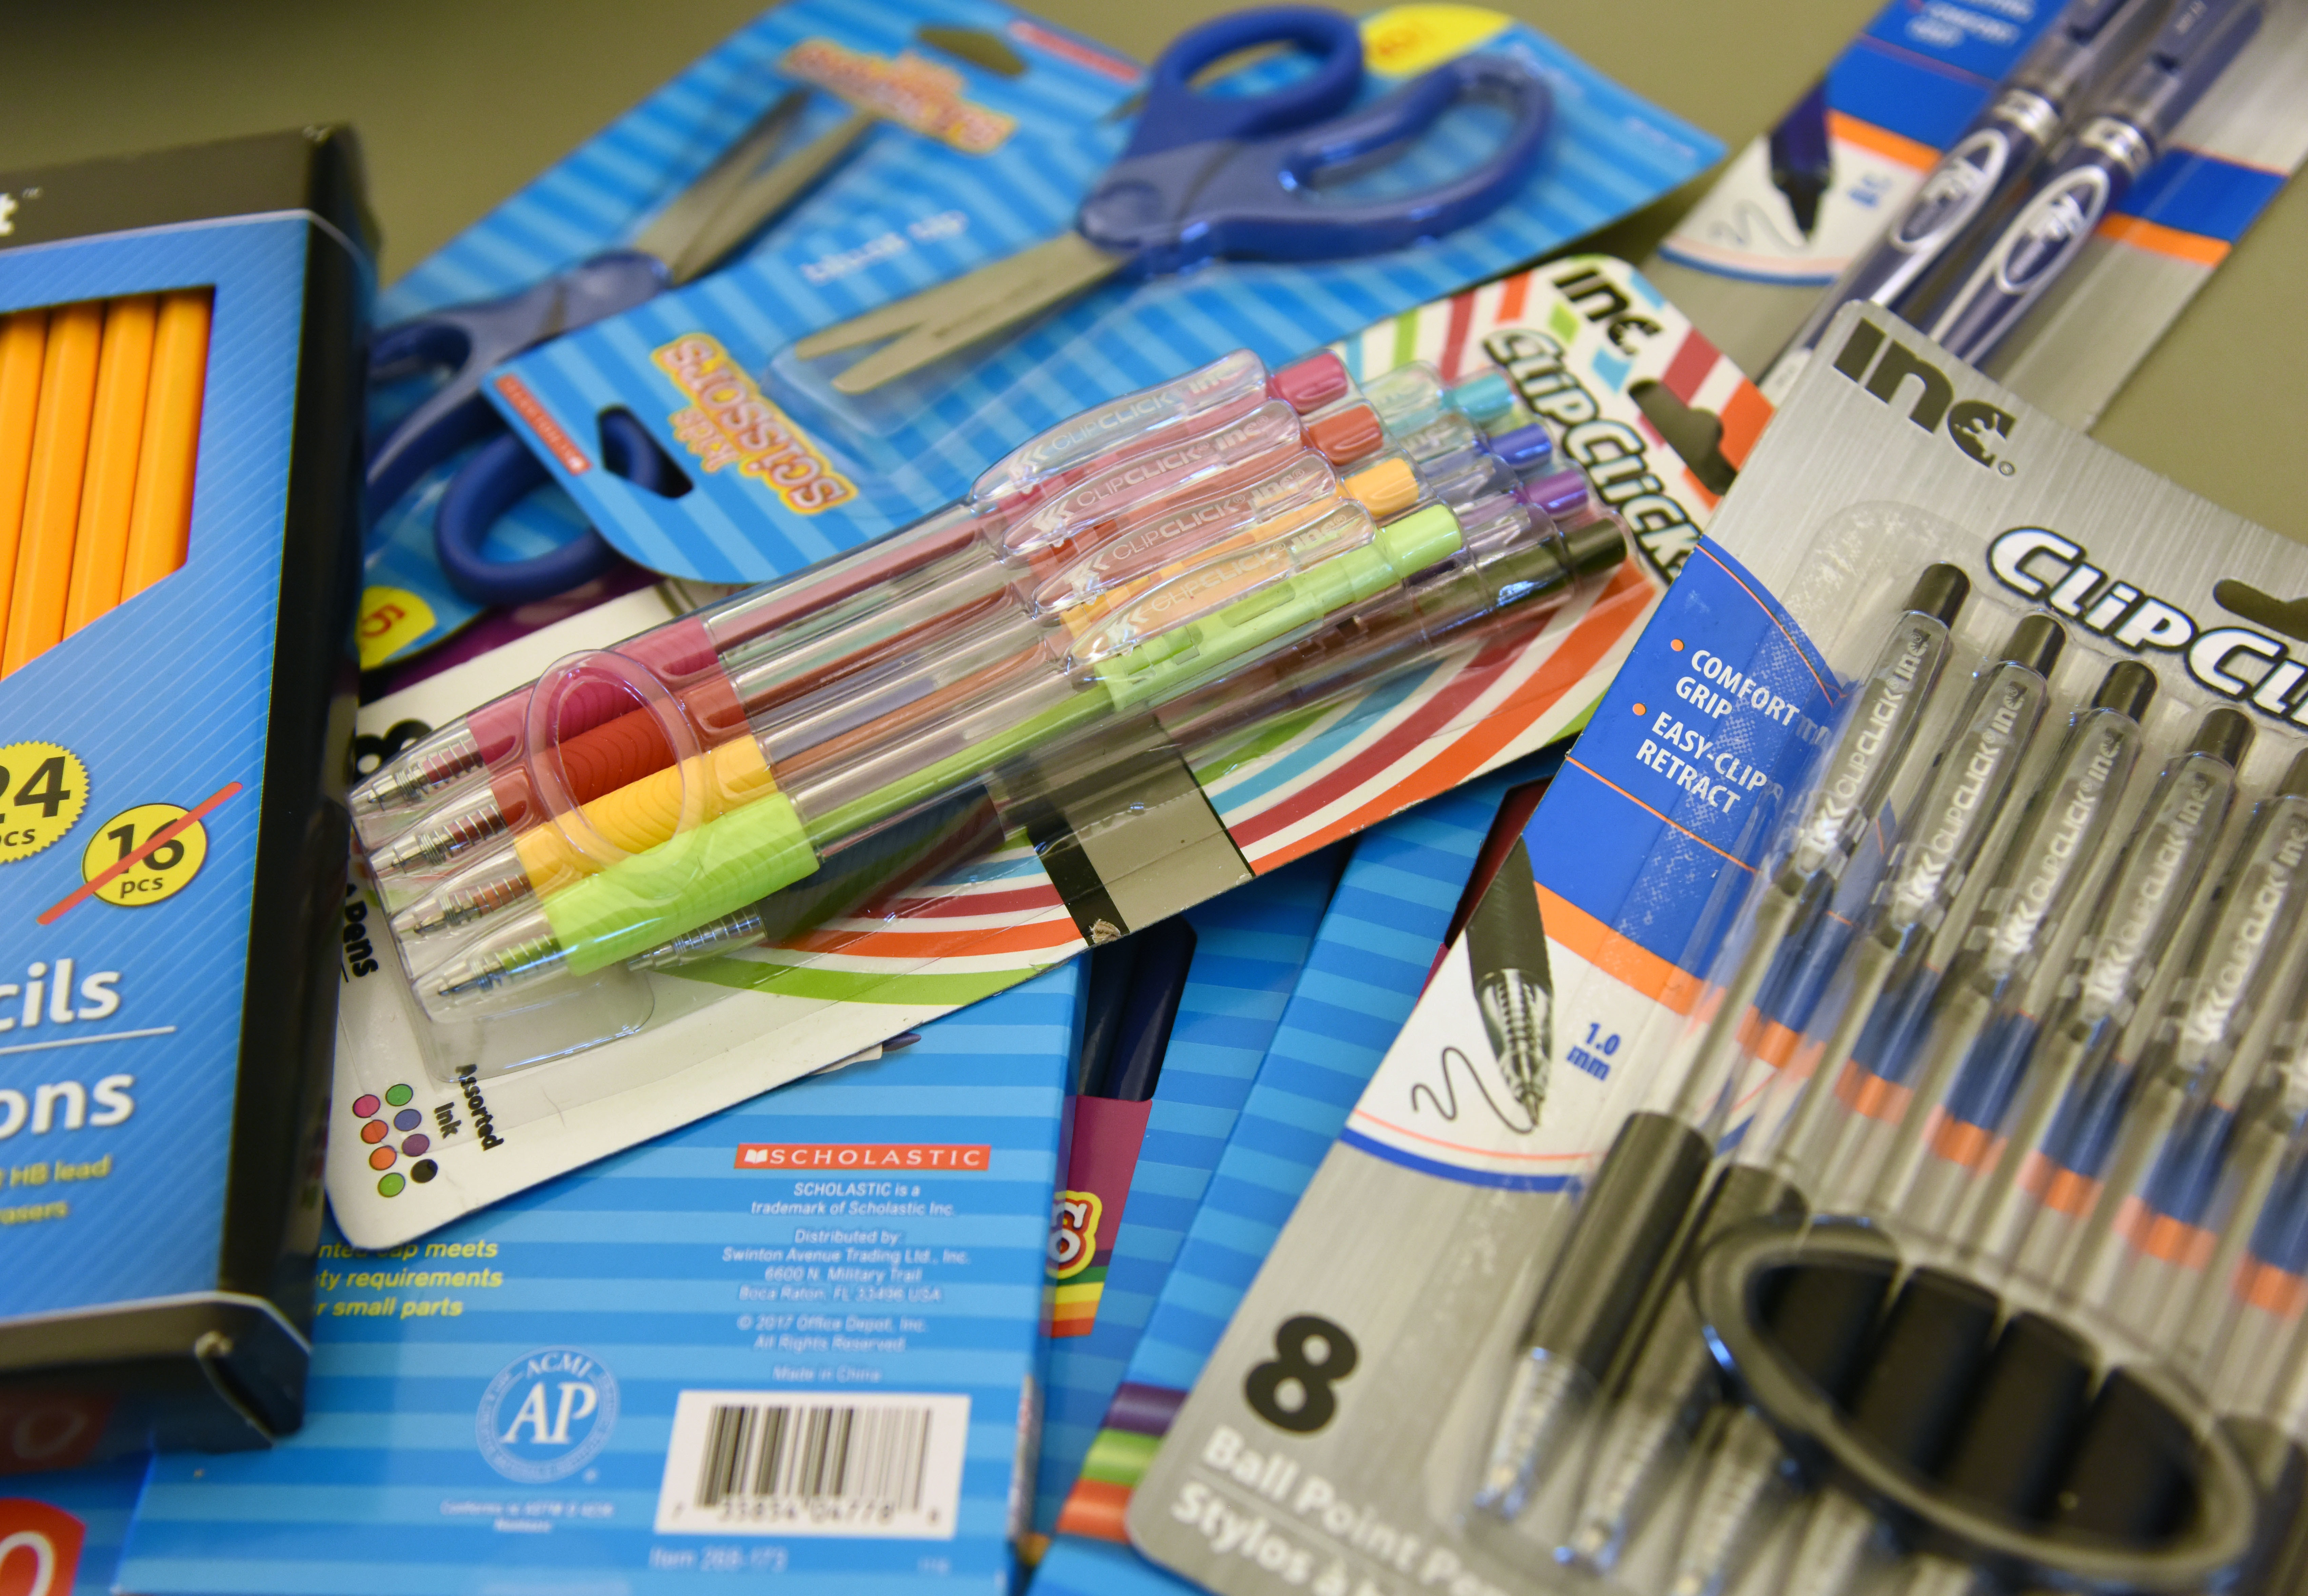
column 382, row 1119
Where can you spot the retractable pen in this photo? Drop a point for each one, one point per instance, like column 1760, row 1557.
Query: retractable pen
column 1512, row 571
column 2125, row 133
column 1631, row 1216
column 1506, row 955
column 1993, row 155
column 1824, row 1322
column 1935, row 1346
column 1111, row 505
column 2244, row 924
column 1669, row 1387
column 1973, row 777
column 2131, row 923
column 1202, row 401
column 893, row 698
column 2043, row 866
column 2218, row 1161
column 1136, row 658
column 1142, row 505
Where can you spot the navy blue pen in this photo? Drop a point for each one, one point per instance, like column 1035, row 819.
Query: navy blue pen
column 1989, row 159
column 2123, row 136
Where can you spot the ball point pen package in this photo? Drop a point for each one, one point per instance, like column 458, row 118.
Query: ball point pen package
column 1915, row 1201
column 2043, row 188
column 1166, row 648
column 179, row 336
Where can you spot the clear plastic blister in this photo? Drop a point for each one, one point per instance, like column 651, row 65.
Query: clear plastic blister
column 1978, row 1167
column 850, row 777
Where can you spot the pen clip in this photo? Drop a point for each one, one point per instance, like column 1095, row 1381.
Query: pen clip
column 1228, row 386
column 1159, row 544
column 1117, row 487
column 1223, row 582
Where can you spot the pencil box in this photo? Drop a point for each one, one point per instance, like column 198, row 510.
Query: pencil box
column 1790, row 210
column 794, row 1341
column 1914, row 969
column 565, row 1085
column 1178, row 1019
column 1384, row 930
column 180, row 435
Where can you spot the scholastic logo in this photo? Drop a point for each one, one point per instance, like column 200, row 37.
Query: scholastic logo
column 733, row 423
column 1973, row 426
column 863, row 1155
column 39, row 1549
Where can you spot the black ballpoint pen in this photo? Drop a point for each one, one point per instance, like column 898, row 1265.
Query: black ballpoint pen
column 1506, row 954
column 1630, row 1218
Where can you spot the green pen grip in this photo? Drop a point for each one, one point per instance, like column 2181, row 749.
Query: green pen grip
column 761, row 846
column 1165, row 665
column 706, row 872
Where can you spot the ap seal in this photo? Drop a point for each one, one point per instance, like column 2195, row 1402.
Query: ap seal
column 546, row 1415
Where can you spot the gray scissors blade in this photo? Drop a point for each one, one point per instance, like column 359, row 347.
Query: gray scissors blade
column 672, row 235
column 770, row 193
column 932, row 324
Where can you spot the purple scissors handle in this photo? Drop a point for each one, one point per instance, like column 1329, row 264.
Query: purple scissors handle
column 1170, row 205
column 476, row 339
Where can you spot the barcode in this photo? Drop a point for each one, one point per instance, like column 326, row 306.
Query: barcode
column 779, row 1462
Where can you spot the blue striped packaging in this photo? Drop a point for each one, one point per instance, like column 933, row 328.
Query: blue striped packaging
column 602, row 191
column 492, row 1409
column 1250, row 945
column 824, row 471
column 1378, row 940
column 60, row 1532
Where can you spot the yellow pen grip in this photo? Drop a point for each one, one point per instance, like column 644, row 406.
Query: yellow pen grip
column 641, row 814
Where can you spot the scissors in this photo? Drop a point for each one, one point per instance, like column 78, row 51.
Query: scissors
column 703, row 224
column 1206, row 175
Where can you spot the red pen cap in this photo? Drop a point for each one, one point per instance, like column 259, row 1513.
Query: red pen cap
column 1307, row 385
column 1345, row 436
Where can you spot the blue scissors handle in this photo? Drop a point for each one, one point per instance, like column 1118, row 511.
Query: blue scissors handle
column 473, row 340
column 1250, row 198
column 494, row 480
column 1175, row 116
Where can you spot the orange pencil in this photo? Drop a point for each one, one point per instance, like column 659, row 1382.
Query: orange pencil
column 44, row 548
column 24, row 338
column 108, row 487
column 162, row 519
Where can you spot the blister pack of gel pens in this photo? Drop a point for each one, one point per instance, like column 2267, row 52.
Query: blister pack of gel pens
column 1175, row 642
column 1871, row 1153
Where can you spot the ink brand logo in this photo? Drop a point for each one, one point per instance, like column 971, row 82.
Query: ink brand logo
column 2246, row 664
column 39, row 1545
column 1614, row 456
column 546, row 1415
column 1973, row 426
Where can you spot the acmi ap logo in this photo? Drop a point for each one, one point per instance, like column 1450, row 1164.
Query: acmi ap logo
column 1973, row 426
column 546, row 1415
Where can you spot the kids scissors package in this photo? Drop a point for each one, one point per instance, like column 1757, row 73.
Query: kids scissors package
column 1866, row 1152
column 1173, row 644
column 178, row 462
column 808, row 115
column 794, row 436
